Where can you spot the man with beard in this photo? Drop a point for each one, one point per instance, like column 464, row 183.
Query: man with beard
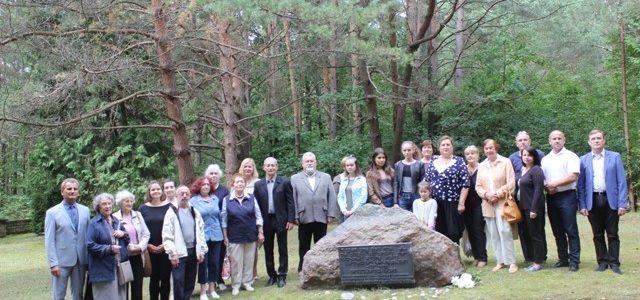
column 315, row 204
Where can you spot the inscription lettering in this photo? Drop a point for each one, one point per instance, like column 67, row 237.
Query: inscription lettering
column 390, row 264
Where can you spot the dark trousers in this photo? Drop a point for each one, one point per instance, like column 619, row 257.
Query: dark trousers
column 316, row 230
column 159, row 282
column 562, row 208
column 537, row 240
column 525, row 237
column 135, row 286
column 209, row 269
column 270, row 234
column 223, row 253
column 448, row 221
column 604, row 219
column 474, row 222
column 184, row 276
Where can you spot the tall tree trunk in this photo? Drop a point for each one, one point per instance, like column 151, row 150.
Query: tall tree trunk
column 173, row 104
column 625, row 109
column 274, row 98
column 398, row 102
column 333, row 81
column 353, row 32
column 433, row 88
column 297, row 103
column 413, row 22
column 372, row 105
column 231, row 96
column 457, row 76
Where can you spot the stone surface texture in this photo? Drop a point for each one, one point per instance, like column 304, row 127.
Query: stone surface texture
column 435, row 258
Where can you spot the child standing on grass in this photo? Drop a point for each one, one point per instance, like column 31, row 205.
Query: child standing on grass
column 425, row 208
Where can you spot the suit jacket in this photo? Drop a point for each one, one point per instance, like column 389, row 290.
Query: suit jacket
column 65, row 245
column 282, row 202
column 614, row 179
column 314, row 205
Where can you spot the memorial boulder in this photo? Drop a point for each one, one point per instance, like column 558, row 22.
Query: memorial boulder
column 435, row 258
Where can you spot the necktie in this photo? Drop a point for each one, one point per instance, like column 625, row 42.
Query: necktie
column 73, row 214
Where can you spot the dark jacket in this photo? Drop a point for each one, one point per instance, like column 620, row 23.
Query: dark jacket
column 102, row 263
column 282, row 202
column 417, row 175
column 531, row 186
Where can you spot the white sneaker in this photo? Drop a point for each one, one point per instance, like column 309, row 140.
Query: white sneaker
column 249, row 288
column 235, row 291
column 222, row 287
column 213, row 295
column 204, row 297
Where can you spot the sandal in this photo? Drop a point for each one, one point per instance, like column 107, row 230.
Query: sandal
column 481, row 264
column 513, row 268
column 497, row 267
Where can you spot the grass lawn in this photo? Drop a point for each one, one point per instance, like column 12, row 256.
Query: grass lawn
column 24, row 274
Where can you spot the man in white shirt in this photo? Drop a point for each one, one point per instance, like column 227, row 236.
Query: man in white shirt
column 602, row 187
column 561, row 169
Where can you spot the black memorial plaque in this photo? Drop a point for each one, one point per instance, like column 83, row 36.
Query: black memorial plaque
column 390, row 264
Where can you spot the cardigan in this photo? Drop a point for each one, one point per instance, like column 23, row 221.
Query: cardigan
column 502, row 177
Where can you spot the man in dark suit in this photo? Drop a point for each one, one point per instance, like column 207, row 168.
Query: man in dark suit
column 602, row 190
column 65, row 231
column 274, row 197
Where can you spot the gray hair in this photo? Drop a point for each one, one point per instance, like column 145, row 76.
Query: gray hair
column 214, row 167
column 181, row 188
column 100, row 197
column 307, row 154
column 123, row 195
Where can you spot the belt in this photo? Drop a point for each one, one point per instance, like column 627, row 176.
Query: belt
column 600, row 194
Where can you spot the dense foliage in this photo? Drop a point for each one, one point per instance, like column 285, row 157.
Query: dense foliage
column 87, row 99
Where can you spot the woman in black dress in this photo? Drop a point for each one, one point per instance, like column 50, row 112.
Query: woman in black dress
column 473, row 220
column 531, row 197
column 153, row 213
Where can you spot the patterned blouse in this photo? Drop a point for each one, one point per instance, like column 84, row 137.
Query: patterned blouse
column 446, row 186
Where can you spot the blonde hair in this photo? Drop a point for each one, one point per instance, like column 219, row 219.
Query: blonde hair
column 245, row 162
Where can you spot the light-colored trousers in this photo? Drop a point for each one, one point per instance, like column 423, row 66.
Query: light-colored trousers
column 242, row 258
column 499, row 233
column 76, row 275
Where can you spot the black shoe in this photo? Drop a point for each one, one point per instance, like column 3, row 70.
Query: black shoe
column 281, row 281
column 573, row 268
column 561, row 264
column 601, row 268
column 271, row 281
column 616, row 269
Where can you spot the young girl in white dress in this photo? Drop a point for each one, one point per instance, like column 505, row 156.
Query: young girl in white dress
column 425, row 208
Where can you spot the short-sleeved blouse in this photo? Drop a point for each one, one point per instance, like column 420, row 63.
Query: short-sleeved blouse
column 446, row 186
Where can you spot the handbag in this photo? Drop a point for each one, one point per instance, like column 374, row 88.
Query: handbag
column 146, row 265
column 511, row 212
column 226, row 268
column 125, row 273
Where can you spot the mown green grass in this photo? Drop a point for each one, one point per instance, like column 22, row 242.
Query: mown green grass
column 24, row 274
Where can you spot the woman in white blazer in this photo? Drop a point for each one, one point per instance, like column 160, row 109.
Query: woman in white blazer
column 138, row 233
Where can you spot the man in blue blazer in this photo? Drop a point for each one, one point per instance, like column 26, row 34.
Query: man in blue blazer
column 65, row 228
column 602, row 189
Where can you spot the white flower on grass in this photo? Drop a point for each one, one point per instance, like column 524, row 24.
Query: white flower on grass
column 464, row 281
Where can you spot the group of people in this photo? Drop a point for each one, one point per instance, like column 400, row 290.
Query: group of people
column 187, row 231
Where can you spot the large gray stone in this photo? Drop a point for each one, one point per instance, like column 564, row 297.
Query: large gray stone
column 435, row 258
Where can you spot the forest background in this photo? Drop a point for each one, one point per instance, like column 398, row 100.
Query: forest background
column 116, row 93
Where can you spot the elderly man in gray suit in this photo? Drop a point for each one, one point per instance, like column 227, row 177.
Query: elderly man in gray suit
column 65, row 228
column 315, row 203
